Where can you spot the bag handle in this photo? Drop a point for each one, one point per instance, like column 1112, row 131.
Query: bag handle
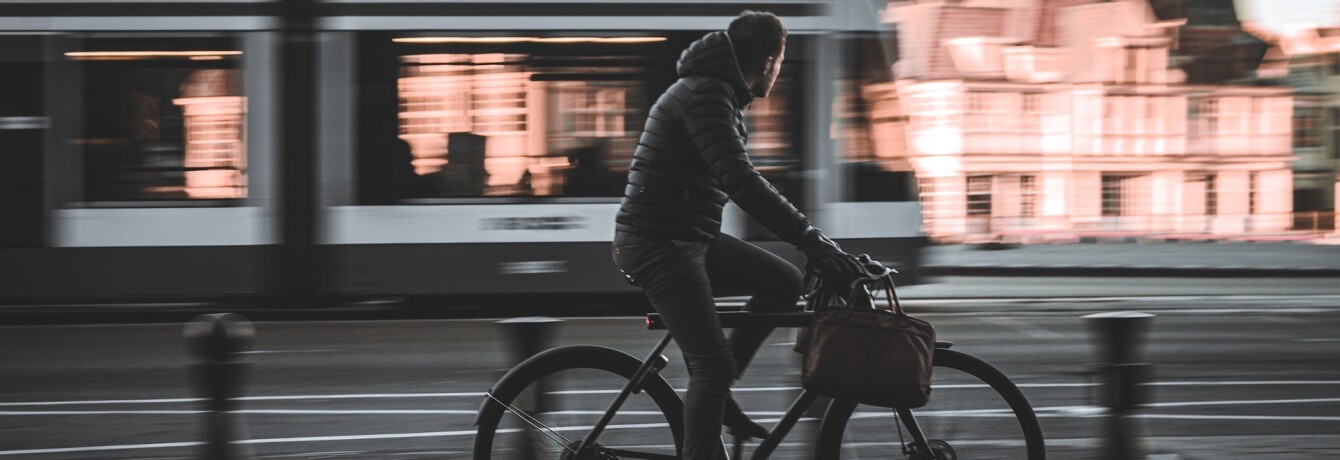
column 893, row 295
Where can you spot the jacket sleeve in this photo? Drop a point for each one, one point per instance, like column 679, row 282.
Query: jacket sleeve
column 710, row 118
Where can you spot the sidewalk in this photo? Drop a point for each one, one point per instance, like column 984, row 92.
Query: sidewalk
column 1208, row 259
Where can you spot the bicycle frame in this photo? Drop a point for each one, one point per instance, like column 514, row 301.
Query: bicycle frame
column 775, row 437
column 634, row 386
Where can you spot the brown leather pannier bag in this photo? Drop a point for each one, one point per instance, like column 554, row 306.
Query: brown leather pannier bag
column 860, row 353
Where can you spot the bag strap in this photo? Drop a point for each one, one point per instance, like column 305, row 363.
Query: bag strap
column 893, row 295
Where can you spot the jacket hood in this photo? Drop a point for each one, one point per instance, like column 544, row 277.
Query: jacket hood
column 713, row 56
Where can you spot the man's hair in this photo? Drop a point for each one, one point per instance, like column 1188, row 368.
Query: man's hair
column 756, row 36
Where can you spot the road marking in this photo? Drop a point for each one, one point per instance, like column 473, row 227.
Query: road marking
column 63, row 450
column 1043, row 412
column 1258, row 418
column 102, row 401
column 1248, row 382
column 274, row 440
column 473, row 394
column 1063, row 410
column 742, row 390
column 255, row 411
column 1247, row 402
column 101, row 412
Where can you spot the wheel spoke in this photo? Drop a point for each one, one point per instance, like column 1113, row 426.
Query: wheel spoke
column 536, row 424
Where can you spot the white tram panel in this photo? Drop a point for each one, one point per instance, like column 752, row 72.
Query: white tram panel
column 511, row 223
column 180, row 15
column 802, row 16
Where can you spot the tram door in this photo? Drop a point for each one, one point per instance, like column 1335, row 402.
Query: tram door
column 23, row 129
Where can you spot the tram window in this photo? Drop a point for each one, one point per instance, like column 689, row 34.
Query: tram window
column 448, row 116
column 868, row 124
column 162, row 119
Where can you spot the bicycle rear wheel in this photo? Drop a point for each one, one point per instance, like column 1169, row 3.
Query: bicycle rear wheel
column 975, row 412
column 548, row 404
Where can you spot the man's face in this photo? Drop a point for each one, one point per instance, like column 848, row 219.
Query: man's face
column 771, row 68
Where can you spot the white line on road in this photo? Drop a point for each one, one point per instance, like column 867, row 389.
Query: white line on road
column 97, row 402
column 1247, row 403
column 362, row 437
column 62, row 450
column 964, row 413
column 1057, row 410
column 473, row 394
column 1261, row 418
column 101, row 412
column 255, row 411
column 742, row 390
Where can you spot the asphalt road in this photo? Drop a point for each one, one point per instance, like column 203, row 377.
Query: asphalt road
column 1242, row 372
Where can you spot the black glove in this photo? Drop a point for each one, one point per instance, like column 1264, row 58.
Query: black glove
column 826, row 257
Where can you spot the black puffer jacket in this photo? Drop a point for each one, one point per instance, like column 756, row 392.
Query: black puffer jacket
column 691, row 157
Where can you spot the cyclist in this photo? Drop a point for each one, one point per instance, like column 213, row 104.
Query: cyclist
column 690, row 160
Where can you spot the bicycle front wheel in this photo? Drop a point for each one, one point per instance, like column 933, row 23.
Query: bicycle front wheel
column 547, row 405
column 975, row 412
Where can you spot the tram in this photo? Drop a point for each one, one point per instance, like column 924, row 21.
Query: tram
column 456, row 147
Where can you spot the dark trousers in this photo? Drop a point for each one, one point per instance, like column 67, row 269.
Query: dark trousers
column 681, row 278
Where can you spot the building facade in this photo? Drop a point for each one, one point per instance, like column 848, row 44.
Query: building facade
column 1052, row 120
column 1307, row 59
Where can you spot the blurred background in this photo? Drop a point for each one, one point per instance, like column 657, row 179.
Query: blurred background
column 376, row 182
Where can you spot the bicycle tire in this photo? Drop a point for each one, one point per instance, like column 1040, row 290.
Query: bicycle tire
column 962, row 368
column 583, row 358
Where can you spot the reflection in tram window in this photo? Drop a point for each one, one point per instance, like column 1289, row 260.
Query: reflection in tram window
column 498, row 124
column 162, row 124
column 525, row 116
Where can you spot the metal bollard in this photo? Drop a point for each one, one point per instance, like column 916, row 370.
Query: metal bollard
column 528, row 336
column 215, row 343
column 1120, row 338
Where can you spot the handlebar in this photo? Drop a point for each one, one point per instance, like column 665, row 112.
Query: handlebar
column 873, row 272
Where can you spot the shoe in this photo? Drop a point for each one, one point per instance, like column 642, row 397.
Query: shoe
column 738, row 424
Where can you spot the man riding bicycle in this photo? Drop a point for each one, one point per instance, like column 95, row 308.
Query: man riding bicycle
column 690, row 160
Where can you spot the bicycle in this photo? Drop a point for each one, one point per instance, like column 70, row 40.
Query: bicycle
column 1000, row 422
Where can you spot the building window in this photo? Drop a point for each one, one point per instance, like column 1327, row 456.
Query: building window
column 1117, row 194
column 1208, row 111
column 1335, row 130
column 1252, row 186
column 1028, row 196
column 979, row 195
column 1211, row 195
column 163, row 119
column 1306, row 129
